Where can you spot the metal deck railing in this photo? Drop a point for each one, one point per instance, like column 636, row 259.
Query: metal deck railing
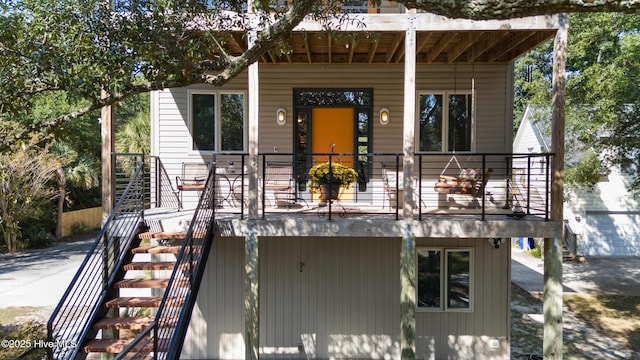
column 163, row 339
column 70, row 322
column 487, row 185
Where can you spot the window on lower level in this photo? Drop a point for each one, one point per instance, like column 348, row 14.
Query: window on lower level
column 445, row 279
column 445, row 122
column 217, row 121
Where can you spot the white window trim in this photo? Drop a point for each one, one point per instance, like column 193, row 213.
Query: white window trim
column 443, row 280
column 218, row 112
column 445, row 119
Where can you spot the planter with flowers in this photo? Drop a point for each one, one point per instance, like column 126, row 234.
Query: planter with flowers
column 328, row 180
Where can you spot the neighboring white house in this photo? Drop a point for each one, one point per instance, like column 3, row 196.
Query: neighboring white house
column 606, row 219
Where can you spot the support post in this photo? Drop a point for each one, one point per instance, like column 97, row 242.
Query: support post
column 552, row 291
column 252, row 296
column 106, row 134
column 408, row 295
column 251, row 262
column 407, row 252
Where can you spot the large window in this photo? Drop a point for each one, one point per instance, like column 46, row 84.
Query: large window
column 217, row 121
column 445, row 280
column 445, row 122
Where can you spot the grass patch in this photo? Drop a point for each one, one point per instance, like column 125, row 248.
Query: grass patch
column 617, row 315
column 11, row 315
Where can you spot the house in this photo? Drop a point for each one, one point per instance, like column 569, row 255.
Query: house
column 410, row 261
column 604, row 220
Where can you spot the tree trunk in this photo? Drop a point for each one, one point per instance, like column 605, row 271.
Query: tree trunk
column 62, row 194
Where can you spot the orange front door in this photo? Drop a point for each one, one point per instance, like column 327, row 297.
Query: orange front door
column 333, row 126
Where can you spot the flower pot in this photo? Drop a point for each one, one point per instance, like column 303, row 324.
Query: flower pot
column 330, row 191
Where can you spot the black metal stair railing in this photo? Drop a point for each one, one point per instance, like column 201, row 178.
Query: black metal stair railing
column 164, row 338
column 70, row 322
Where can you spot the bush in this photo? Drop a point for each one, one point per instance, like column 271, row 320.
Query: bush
column 28, row 332
column 80, row 228
column 36, row 237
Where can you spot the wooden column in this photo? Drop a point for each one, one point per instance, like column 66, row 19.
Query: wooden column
column 407, row 251
column 552, row 292
column 106, row 134
column 252, row 263
column 107, row 129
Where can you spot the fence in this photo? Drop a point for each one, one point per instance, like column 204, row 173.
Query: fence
column 91, row 218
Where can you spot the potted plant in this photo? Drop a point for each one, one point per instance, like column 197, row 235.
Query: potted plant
column 328, row 180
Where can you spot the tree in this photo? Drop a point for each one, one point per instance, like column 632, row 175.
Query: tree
column 603, row 107
column 26, row 183
column 72, row 169
column 84, row 47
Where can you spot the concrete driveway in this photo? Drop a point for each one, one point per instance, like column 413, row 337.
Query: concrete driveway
column 611, row 276
column 39, row 277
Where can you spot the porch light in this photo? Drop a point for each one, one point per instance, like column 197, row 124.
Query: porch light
column 384, row 116
column 281, row 116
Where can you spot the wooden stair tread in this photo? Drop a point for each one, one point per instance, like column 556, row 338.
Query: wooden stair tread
column 142, row 301
column 149, row 249
column 162, row 235
column 119, row 323
column 149, row 283
column 150, row 265
column 114, row 346
column 132, row 323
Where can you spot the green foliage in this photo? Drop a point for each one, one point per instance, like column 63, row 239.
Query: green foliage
column 603, row 99
column 586, row 173
column 26, row 179
column 535, row 252
column 338, row 174
column 135, row 135
column 79, row 228
column 27, row 331
column 34, row 237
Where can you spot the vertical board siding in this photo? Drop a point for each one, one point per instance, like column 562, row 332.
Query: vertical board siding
column 343, row 302
column 463, row 335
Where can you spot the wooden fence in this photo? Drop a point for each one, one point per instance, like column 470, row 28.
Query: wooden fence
column 90, row 218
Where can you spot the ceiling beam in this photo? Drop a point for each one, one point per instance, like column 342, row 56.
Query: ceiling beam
column 439, row 46
column 394, row 46
column 464, row 45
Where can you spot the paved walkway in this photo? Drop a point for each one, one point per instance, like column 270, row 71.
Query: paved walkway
column 581, row 340
column 39, row 277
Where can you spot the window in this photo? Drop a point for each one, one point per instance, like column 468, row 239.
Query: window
column 441, row 130
column 445, row 279
column 218, row 121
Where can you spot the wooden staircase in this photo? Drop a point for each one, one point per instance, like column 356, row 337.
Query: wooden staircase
column 126, row 327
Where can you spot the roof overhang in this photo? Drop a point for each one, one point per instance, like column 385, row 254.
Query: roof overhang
column 379, row 39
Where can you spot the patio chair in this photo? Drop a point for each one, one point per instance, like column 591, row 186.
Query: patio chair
column 393, row 186
column 279, row 181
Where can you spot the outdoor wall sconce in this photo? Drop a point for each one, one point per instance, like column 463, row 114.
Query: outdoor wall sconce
column 496, row 242
column 281, row 116
column 384, row 116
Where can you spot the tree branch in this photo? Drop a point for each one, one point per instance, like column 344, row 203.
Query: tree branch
column 487, row 10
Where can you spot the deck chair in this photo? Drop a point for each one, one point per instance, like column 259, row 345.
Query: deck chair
column 192, row 178
column 393, row 186
column 278, row 180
